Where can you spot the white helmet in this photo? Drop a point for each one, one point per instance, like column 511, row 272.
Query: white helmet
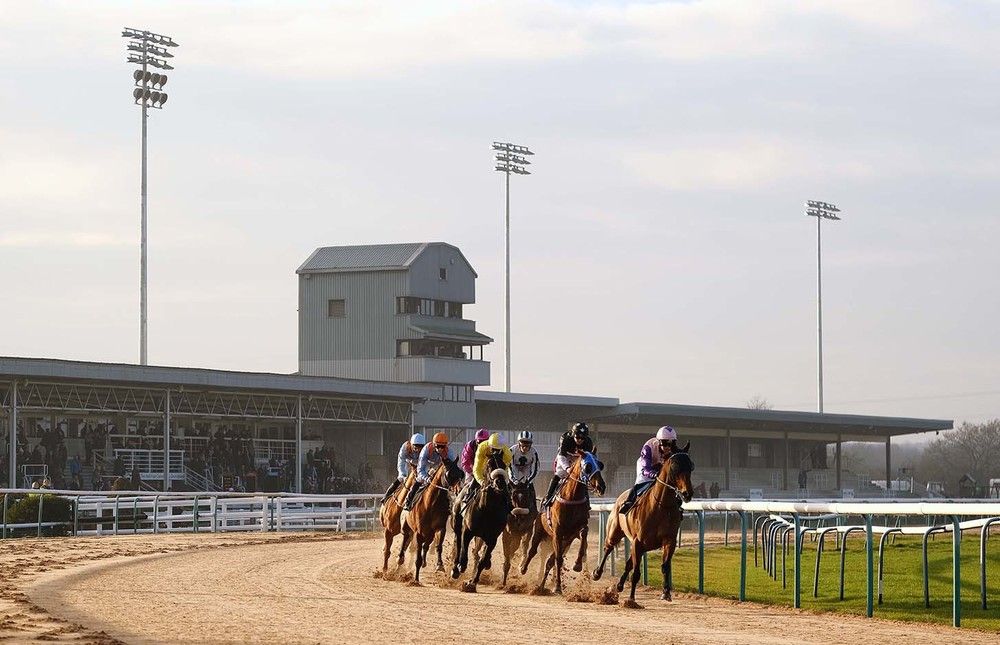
column 526, row 437
column 418, row 440
column 666, row 433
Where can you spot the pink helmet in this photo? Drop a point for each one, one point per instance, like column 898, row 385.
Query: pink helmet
column 482, row 434
column 666, row 433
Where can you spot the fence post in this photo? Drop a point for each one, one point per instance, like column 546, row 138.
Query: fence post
column 701, row 552
column 956, row 558
column 725, row 528
column 156, row 512
column 3, row 534
column 797, row 578
column 41, row 502
column 194, row 515
column 76, row 514
column 135, row 515
column 983, row 537
column 117, row 499
column 743, row 556
column 870, row 567
column 215, row 513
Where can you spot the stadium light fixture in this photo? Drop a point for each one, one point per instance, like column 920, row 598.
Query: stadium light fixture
column 510, row 159
column 821, row 211
column 146, row 49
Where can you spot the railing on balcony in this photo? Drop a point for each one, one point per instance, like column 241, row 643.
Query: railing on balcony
column 150, row 463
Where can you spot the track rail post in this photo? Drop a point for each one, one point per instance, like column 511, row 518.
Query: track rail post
column 797, row 579
column 701, row 552
column 956, row 563
column 870, row 578
column 743, row 555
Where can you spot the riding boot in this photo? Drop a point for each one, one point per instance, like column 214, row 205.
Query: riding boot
column 551, row 492
column 393, row 487
column 411, row 496
column 629, row 501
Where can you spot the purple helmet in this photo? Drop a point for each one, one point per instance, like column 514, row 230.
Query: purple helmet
column 482, row 434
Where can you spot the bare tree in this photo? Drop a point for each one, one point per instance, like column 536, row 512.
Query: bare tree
column 759, row 403
column 973, row 449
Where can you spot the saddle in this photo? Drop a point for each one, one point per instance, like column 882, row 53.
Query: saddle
column 640, row 491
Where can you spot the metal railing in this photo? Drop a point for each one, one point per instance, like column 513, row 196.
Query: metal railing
column 774, row 521
column 150, row 462
column 132, row 512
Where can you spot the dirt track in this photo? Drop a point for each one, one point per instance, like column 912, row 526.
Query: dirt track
column 310, row 588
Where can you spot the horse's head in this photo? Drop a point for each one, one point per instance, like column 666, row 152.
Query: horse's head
column 453, row 474
column 521, row 495
column 679, row 469
column 590, row 473
column 499, row 479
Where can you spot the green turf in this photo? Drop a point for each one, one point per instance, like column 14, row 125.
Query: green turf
column 902, row 586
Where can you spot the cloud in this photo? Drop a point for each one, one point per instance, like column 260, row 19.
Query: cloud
column 49, row 239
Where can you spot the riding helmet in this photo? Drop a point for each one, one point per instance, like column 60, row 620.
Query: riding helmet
column 525, row 437
column 417, row 439
column 581, row 429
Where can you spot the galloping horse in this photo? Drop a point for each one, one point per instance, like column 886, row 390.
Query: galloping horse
column 428, row 516
column 652, row 522
column 485, row 518
column 389, row 514
column 566, row 519
column 518, row 530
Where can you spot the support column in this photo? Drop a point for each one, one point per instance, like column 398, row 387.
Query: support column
column 888, row 465
column 838, row 466
column 784, row 479
column 729, row 456
column 13, row 435
column 298, row 446
column 166, row 441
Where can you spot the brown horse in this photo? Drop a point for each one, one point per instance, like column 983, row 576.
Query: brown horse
column 389, row 515
column 566, row 519
column 652, row 522
column 428, row 517
column 517, row 533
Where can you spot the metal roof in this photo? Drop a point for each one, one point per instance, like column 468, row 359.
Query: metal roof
column 490, row 396
column 788, row 420
column 371, row 257
column 444, row 332
column 46, row 368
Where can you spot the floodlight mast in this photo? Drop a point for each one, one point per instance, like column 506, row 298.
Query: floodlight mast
column 146, row 49
column 510, row 158
column 821, row 211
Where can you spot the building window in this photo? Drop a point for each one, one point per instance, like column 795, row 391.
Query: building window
column 754, row 450
column 336, row 309
column 443, row 273
column 454, row 310
column 440, row 308
column 456, row 393
column 407, row 305
column 424, row 347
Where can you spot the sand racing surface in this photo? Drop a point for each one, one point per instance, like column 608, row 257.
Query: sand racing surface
column 321, row 588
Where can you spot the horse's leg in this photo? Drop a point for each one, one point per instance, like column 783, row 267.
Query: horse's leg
column 466, row 542
column 581, row 558
column 456, row 558
column 387, row 551
column 507, row 544
column 407, row 537
column 559, row 551
column 636, row 559
column 614, row 536
column 487, row 559
column 536, row 538
column 440, row 548
column 418, row 559
column 548, row 567
column 668, row 554
column 477, row 552
column 628, row 569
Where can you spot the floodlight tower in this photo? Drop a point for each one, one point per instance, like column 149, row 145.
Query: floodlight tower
column 510, row 158
column 821, row 211
column 146, row 49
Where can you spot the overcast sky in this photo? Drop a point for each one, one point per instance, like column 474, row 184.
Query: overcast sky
column 659, row 253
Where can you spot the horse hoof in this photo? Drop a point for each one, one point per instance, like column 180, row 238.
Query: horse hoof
column 440, row 568
column 666, row 596
column 597, row 574
column 620, row 588
column 454, row 574
column 578, row 567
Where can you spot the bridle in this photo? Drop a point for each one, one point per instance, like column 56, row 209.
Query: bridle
column 676, row 491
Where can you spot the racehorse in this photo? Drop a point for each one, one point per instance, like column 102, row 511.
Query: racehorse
column 389, row 514
column 517, row 533
column 428, row 517
column 566, row 519
column 652, row 522
column 485, row 517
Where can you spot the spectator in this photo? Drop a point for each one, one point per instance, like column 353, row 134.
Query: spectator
column 118, row 467
column 136, row 479
column 75, row 467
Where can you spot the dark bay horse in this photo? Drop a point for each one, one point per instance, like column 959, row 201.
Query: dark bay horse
column 428, row 517
column 389, row 515
column 566, row 519
column 517, row 533
column 653, row 521
column 485, row 518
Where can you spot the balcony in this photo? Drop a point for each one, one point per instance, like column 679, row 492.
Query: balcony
column 435, row 369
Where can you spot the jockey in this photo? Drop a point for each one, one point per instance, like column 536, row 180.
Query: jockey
column 409, row 454
column 489, row 451
column 653, row 455
column 524, row 466
column 469, row 453
column 573, row 443
column 431, row 456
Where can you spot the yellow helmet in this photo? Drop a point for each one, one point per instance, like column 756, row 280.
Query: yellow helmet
column 494, row 441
